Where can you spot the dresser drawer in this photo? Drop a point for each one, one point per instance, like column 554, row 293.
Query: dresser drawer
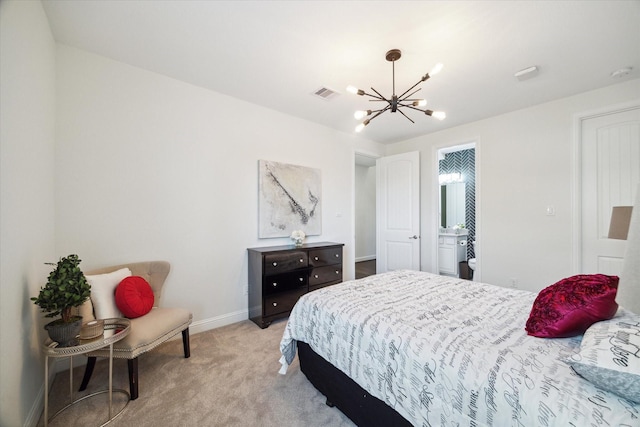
column 285, row 282
column 282, row 262
column 282, row 302
column 320, row 257
column 329, row 273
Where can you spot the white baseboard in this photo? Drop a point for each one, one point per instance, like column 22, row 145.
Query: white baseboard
column 365, row 258
column 37, row 409
column 217, row 322
column 214, row 322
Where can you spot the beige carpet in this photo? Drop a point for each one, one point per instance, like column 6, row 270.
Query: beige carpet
column 231, row 379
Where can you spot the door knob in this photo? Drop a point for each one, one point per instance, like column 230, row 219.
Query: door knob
column 413, row 237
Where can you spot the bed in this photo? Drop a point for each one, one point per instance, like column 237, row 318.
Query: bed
column 414, row 348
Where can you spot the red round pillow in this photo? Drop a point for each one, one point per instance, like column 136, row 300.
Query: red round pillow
column 134, row 297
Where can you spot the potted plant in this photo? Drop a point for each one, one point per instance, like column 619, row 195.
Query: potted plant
column 66, row 287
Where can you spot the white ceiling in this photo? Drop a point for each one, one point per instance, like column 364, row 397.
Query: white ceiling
column 278, row 53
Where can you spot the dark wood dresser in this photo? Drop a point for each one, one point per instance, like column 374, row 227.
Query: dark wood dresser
column 279, row 275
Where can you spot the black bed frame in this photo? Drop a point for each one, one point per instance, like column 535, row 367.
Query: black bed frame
column 344, row 393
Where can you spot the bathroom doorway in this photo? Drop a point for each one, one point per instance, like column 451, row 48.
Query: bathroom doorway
column 365, row 215
column 456, row 211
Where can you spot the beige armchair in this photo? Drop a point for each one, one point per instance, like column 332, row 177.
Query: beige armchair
column 148, row 331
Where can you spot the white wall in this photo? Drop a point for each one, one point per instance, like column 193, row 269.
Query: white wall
column 365, row 212
column 148, row 167
column 27, row 101
column 524, row 164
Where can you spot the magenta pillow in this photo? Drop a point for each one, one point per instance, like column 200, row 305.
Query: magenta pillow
column 569, row 307
column 134, row 297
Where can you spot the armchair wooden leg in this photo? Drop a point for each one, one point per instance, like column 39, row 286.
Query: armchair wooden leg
column 133, row 377
column 88, row 371
column 185, row 343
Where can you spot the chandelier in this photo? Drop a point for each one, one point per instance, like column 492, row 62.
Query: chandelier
column 396, row 102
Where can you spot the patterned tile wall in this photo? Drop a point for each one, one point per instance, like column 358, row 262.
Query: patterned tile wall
column 464, row 162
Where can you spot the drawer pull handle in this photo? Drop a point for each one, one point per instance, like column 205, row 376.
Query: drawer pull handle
column 275, row 264
column 337, row 272
column 275, row 284
column 337, row 255
column 316, row 276
column 275, row 304
column 301, row 279
column 316, row 258
column 301, row 260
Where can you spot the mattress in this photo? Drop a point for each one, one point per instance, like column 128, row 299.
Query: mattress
column 445, row 351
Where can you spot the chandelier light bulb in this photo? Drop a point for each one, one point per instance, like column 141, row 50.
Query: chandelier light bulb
column 440, row 115
column 420, row 103
column 436, row 69
column 362, row 125
column 360, row 114
column 354, row 90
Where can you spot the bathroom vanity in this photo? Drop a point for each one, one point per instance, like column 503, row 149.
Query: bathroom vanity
column 452, row 250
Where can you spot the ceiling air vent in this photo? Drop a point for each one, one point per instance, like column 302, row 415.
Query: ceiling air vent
column 325, row 93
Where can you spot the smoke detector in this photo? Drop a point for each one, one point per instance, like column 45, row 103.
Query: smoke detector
column 621, row 72
column 527, row 73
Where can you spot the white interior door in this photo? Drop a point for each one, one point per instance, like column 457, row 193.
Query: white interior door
column 398, row 212
column 610, row 174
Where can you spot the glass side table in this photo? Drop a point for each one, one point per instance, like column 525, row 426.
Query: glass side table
column 114, row 331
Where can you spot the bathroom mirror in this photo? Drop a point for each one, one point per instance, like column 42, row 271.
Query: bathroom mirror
column 452, row 204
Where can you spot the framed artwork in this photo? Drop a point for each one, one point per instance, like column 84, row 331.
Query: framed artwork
column 290, row 198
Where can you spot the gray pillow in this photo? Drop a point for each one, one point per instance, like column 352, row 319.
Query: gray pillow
column 609, row 355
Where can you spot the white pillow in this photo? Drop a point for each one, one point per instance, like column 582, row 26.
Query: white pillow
column 609, row 356
column 103, row 288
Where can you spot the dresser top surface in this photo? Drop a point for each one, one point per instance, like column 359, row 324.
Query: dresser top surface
column 316, row 245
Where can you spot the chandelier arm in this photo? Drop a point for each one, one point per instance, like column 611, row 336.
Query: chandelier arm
column 401, row 112
column 379, row 112
column 405, row 98
column 381, row 97
column 414, row 108
column 410, row 89
column 378, row 97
